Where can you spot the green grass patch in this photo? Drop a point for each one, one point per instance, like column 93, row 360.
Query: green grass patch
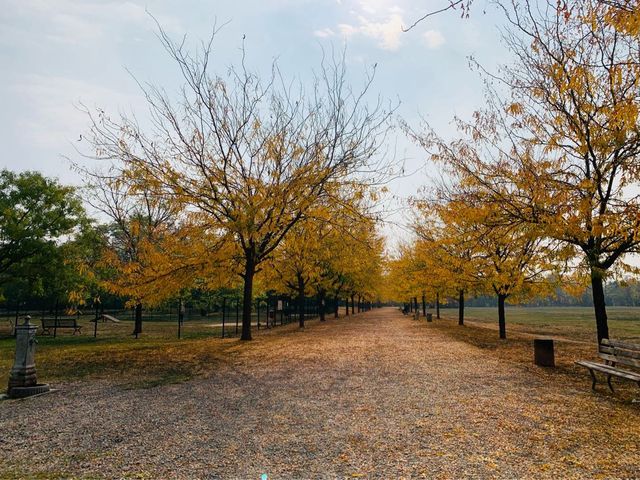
column 577, row 323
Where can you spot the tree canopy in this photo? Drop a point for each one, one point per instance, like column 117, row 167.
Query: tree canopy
column 37, row 215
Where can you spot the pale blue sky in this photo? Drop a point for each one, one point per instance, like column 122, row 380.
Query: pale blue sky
column 55, row 54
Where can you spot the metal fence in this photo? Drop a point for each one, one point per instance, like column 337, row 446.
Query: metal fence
column 221, row 319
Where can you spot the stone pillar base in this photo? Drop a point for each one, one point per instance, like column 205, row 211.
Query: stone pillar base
column 23, row 377
column 23, row 392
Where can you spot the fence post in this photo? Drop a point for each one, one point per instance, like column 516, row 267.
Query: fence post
column 95, row 325
column 268, row 313
column 237, row 314
column 180, row 317
column 55, row 320
column 224, row 311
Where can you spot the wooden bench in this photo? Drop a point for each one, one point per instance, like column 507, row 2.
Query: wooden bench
column 614, row 353
column 52, row 323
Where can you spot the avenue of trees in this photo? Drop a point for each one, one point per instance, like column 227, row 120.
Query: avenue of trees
column 542, row 184
column 256, row 184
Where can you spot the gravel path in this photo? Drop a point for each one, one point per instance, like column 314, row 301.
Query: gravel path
column 376, row 395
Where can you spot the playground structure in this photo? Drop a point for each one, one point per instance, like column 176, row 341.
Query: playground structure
column 107, row 318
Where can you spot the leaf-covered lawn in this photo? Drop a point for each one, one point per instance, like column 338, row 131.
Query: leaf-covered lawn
column 377, row 395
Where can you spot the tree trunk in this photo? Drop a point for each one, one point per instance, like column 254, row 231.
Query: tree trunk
column 336, row 307
column 346, row 302
column 424, row 305
column 247, row 297
column 599, row 305
column 501, row 317
column 461, row 307
column 353, row 304
column 438, row 305
column 137, row 328
column 321, row 296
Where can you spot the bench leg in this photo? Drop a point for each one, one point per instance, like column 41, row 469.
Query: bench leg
column 593, row 377
column 609, row 383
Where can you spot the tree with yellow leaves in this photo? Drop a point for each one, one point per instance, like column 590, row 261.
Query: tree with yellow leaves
column 352, row 260
column 363, row 264
column 576, row 94
column 404, row 275
column 511, row 260
column 250, row 157
column 151, row 252
column 446, row 250
column 295, row 265
column 333, row 250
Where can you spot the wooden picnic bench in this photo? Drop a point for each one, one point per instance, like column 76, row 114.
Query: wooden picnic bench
column 53, row 323
column 614, row 353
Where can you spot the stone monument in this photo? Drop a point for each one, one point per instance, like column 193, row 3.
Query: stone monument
column 22, row 379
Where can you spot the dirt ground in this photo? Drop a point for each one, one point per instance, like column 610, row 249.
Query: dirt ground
column 376, row 395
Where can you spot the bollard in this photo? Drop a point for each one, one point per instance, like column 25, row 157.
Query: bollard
column 543, row 352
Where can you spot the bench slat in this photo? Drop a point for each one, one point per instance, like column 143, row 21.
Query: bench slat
column 623, row 352
column 610, row 370
column 631, row 362
column 620, row 344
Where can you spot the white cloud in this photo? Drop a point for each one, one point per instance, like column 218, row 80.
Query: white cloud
column 387, row 32
column 380, row 20
column 376, row 7
column 324, row 33
column 347, row 30
column 433, row 39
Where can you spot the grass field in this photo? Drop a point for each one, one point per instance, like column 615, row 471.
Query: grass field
column 158, row 356
column 573, row 323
